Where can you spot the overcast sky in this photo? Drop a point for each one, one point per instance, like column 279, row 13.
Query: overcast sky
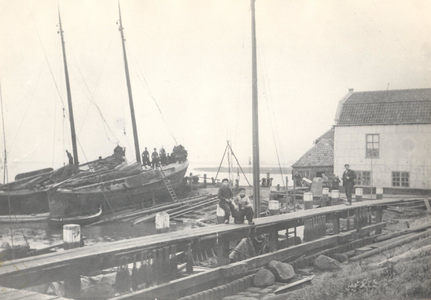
column 194, row 58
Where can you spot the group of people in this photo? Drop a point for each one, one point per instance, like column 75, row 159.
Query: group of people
column 179, row 154
column 240, row 207
column 157, row 158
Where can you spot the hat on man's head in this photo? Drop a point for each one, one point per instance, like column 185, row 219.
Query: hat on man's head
column 347, row 165
column 242, row 189
column 225, row 179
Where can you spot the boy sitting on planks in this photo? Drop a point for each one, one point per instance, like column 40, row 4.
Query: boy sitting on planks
column 242, row 207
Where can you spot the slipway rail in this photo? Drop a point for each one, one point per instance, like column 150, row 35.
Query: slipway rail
column 164, row 249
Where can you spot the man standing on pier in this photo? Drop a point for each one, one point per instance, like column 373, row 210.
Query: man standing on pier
column 225, row 195
column 244, row 208
column 348, row 183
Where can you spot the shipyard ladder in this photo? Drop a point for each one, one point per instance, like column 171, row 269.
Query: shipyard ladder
column 168, row 184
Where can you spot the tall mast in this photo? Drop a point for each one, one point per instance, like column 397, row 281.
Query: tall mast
column 129, row 90
column 69, row 96
column 256, row 162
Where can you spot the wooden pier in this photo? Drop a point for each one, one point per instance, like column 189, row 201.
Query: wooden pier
column 163, row 249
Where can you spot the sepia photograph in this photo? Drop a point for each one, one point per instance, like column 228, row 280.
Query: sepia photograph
column 215, row 149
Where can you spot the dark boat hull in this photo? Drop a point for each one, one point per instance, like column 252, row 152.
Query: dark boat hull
column 117, row 193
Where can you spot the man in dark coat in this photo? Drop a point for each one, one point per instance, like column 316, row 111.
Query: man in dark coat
column 70, row 157
column 348, row 182
column 154, row 159
column 225, row 195
column 146, row 158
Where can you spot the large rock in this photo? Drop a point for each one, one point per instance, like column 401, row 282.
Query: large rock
column 326, row 263
column 263, row 278
column 340, row 257
column 283, row 272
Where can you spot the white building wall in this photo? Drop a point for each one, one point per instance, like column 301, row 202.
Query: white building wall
column 404, row 148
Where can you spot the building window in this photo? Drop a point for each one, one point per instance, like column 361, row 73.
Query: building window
column 373, row 145
column 363, row 178
column 401, row 179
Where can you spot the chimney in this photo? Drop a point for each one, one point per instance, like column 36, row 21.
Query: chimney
column 351, row 90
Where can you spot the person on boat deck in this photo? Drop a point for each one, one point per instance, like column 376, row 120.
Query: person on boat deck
column 162, row 156
column 348, row 183
column 242, row 207
column 146, row 158
column 154, row 158
column 225, row 195
column 168, row 159
column 70, row 157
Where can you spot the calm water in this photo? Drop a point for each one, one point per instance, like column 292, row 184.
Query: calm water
column 41, row 235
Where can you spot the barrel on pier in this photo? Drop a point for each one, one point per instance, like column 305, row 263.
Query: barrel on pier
column 308, row 200
column 325, row 197
column 335, row 195
column 162, row 222
column 379, row 193
column 71, row 236
column 274, row 207
column 358, row 194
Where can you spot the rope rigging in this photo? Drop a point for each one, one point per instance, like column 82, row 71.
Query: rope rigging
column 265, row 80
column 147, row 88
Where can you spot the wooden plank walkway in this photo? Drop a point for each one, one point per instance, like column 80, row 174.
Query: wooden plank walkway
column 12, row 294
column 56, row 266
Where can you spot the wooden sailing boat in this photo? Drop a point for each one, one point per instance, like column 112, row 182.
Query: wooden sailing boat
column 124, row 186
column 27, row 195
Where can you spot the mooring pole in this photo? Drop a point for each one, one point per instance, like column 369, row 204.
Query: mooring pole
column 256, row 162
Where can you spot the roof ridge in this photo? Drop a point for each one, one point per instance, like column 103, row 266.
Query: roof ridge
column 394, row 90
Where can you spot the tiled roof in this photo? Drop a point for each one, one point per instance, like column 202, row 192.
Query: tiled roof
column 321, row 154
column 387, row 107
column 327, row 135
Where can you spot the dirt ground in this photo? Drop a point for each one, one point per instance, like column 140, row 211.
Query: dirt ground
column 400, row 273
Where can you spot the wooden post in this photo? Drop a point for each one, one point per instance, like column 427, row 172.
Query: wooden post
column 294, row 195
column 173, row 263
column 222, row 252
column 287, row 192
column 273, row 240
column 205, row 180
column 379, row 218
column 336, row 223
column 72, row 239
column 155, row 266
column 348, row 220
column 189, row 266
column 379, row 193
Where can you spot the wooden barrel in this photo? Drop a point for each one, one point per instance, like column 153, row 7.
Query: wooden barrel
column 325, row 197
column 71, row 236
column 274, row 207
column 162, row 222
column 335, row 195
column 358, row 194
column 379, row 193
column 308, row 200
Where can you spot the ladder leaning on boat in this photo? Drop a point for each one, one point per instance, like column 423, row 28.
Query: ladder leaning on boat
column 167, row 183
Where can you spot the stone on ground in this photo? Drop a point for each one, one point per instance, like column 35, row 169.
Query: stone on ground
column 340, row 257
column 283, row 272
column 326, row 263
column 263, row 278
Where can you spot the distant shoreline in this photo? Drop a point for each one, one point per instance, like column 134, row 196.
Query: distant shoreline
column 272, row 170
